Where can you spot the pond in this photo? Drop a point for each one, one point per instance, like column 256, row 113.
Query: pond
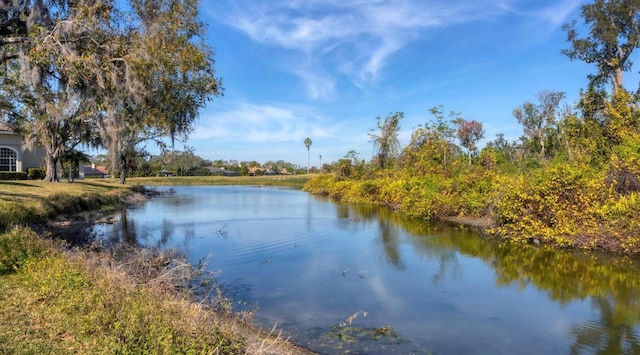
column 342, row 278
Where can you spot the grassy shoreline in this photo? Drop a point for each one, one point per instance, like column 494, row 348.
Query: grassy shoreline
column 55, row 298
column 294, row 181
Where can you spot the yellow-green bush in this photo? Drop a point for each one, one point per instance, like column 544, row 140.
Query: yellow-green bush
column 557, row 203
column 319, row 185
column 622, row 222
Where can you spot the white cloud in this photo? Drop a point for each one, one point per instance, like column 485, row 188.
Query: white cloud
column 353, row 38
column 318, row 83
column 557, row 14
column 261, row 123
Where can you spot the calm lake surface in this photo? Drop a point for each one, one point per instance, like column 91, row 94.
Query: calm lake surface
column 342, row 278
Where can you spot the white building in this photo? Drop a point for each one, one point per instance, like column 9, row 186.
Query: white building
column 13, row 153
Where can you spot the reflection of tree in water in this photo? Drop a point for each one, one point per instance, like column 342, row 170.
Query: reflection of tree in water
column 390, row 224
column 438, row 242
column 357, row 213
column 343, row 211
column 166, row 232
column 611, row 334
column 128, row 229
column 611, row 282
column 391, row 243
column 448, row 260
column 389, row 231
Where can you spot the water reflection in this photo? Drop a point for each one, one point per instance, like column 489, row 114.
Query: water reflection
column 125, row 231
column 611, row 334
column 390, row 243
column 611, row 283
column 310, row 264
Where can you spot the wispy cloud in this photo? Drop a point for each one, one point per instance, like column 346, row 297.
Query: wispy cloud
column 557, row 14
column 318, row 83
column 252, row 123
column 352, row 38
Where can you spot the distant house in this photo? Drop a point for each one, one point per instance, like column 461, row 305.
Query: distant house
column 14, row 156
column 95, row 171
column 253, row 171
column 213, row 170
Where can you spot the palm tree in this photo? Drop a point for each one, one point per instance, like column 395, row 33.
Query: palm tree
column 307, row 143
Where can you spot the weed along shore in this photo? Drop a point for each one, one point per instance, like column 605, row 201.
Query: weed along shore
column 61, row 294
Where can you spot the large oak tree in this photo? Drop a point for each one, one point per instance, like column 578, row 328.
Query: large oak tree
column 88, row 72
column 155, row 77
column 47, row 101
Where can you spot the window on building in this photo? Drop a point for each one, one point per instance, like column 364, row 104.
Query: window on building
column 8, row 159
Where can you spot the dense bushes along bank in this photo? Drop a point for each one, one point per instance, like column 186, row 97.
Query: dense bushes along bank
column 561, row 204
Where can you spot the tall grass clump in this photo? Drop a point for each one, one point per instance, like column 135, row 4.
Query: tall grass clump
column 14, row 213
column 17, row 247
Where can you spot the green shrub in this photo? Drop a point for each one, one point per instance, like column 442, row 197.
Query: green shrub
column 36, row 173
column 13, row 175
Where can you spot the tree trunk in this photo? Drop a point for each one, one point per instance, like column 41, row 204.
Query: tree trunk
column 123, row 170
column 617, row 80
column 51, row 160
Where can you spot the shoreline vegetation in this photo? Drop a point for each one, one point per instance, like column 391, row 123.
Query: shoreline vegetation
column 559, row 204
column 63, row 293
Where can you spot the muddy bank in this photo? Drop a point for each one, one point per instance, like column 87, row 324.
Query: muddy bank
column 481, row 224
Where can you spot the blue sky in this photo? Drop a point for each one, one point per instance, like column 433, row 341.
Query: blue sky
column 325, row 69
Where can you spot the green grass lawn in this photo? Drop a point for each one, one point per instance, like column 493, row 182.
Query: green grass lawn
column 29, row 190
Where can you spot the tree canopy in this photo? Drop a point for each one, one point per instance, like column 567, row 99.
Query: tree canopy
column 614, row 33
column 104, row 73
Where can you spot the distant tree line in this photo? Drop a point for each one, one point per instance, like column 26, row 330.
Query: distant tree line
column 187, row 163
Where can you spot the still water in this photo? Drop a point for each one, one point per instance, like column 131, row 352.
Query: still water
column 342, row 278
